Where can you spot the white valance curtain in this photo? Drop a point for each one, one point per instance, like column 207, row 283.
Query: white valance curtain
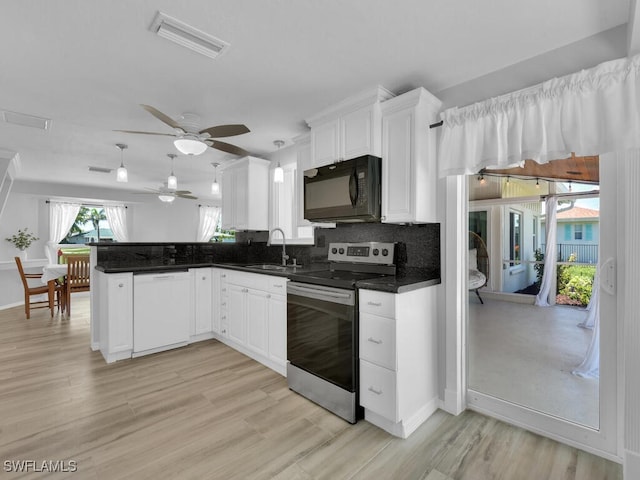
column 117, row 218
column 589, row 113
column 209, row 218
column 61, row 218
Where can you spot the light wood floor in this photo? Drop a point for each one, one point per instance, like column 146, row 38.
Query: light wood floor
column 208, row 412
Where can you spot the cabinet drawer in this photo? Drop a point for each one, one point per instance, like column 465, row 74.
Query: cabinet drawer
column 278, row 285
column 378, row 303
column 378, row 340
column 378, row 390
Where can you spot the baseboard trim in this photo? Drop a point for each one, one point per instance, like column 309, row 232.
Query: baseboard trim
column 631, row 465
column 402, row 428
column 11, row 305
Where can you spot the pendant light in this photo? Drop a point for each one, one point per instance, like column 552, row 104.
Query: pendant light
column 121, row 173
column 278, row 173
column 172, row 181
column 215, row 186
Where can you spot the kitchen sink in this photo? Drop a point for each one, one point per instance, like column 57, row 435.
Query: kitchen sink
column 268, row 266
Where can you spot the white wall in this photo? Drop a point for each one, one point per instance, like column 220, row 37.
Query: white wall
column 161, row 222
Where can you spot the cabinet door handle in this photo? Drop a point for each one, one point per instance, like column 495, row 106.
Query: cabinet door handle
column 374, row 304
column 373, row 340
column 373, row 390
column 224, row 331
column 204, row 278
column 223, row 276
column 245, row 290
column 121, row 285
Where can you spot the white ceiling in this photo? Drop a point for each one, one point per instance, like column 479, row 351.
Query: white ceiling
column 88, row 64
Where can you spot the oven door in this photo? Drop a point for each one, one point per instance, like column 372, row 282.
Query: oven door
column 322, row 332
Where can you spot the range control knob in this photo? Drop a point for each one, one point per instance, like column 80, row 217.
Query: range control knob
column 385, row 252
column 341, row 251
column 375, row 252
column 334, row 250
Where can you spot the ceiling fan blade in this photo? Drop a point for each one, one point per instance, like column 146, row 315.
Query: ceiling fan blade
column 226, row 130
column 227, row 147
column 162, row 117
column 145, row 133
column 190, row 197
column 182, row 192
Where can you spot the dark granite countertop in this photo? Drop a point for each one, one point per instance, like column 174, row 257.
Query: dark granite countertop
column 406, row 280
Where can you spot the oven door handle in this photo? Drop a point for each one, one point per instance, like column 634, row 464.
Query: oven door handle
column 316, row 291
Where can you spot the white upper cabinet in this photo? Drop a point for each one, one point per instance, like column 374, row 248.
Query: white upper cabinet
column 349, row 129
column 409, row 158
column 245, row 195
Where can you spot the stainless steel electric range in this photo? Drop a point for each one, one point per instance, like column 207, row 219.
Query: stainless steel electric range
column 322, row 325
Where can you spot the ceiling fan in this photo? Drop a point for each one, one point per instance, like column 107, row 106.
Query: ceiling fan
column 167, row 195
column 192, row 141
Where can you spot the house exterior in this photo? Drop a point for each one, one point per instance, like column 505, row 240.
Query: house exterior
column 578, row 234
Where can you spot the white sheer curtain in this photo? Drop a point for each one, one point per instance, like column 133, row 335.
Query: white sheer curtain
column 590, row 366
column 550, row 254
column 209, row 218
column 61, row 218
column 590, row 112
column 117, row 218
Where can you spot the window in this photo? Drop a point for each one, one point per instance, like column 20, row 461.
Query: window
column 515, row 236
column 91, row 225
column 577, row 231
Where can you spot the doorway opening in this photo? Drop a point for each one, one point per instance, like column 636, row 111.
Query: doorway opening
column 518, row 352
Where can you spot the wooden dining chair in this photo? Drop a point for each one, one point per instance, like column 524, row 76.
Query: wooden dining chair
column 55, row 295
column 77, row 279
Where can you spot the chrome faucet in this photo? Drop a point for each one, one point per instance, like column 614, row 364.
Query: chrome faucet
column 285, row 257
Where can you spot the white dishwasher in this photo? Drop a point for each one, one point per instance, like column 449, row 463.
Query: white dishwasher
column 161, row 311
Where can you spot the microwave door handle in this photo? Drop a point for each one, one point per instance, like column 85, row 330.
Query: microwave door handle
column 353, row 188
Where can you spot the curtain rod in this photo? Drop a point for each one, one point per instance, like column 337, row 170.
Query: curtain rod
column 437, row 124
column 88, row 204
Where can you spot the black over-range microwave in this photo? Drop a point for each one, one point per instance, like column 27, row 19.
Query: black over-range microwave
column 347, row 191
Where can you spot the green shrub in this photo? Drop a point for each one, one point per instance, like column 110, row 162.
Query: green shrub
column 576, row 282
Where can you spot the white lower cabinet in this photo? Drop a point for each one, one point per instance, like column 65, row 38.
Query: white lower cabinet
column 278, row 329
column 115, row 311
column 253, row 316
column 257, row 321
column 202, row 319
column 398, row 358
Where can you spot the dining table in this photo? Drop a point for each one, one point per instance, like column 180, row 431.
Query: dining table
column 50, row 273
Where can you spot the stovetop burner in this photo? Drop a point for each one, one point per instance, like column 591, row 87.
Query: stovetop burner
column 352, row 262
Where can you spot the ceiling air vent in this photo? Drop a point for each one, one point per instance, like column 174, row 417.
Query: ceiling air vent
column 100, row 169
column 187, row 36
column 26, row 120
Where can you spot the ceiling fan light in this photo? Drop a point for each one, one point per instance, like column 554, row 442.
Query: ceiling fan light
column 122, row 175
column 172, row 182
column 215, row 188
column 278, row 174
column 190, row 146
column 166, row 198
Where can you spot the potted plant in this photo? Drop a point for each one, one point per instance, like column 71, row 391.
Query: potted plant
column 22, row 240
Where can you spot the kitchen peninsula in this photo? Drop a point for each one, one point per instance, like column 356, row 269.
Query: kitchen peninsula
column 183, row 283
